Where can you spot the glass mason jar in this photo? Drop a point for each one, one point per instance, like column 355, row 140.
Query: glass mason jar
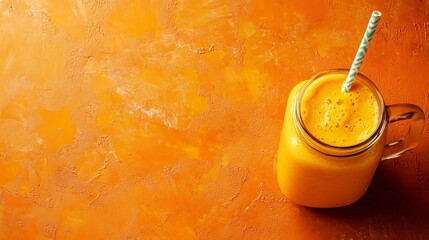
column 315, row 174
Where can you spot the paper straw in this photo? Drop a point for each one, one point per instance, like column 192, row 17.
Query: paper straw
column 363, row 47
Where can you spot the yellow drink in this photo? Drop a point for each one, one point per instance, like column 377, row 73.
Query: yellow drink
column 313, row 167
column 332, row 142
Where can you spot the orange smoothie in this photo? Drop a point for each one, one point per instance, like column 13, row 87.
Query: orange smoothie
column 339, row 118
column 339, row 122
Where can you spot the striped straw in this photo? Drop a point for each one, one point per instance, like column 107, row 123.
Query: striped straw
column 357, row 62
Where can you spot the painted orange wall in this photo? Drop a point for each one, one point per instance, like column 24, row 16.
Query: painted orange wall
column 161, row 119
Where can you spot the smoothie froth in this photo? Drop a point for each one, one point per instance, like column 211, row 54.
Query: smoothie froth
column 339, row 118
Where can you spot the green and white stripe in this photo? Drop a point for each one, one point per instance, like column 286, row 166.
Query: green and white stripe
column 357, row 62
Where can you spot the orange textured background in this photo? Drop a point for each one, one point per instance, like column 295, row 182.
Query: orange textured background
column 161, row 119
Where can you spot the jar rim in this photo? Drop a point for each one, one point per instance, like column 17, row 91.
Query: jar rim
column 333, row 150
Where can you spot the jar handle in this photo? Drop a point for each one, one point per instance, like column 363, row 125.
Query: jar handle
column 399, row 112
